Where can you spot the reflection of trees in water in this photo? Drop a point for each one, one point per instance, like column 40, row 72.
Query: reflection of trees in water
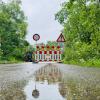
column 70, row 88
column 63, row 89
column 53, row 75
column 50, row 73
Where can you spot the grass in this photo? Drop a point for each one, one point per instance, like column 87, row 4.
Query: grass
column 89, row 63
column 9, row 62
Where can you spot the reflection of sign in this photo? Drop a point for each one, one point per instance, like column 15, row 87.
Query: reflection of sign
column 35, row 93
column 36, row 37
column 61, row 38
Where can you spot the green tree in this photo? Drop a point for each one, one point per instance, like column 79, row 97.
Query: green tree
column 81, row 22
column 13, row 28
column 52, row 43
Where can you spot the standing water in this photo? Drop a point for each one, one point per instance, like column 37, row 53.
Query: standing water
column 46, row 85
column 49, row 82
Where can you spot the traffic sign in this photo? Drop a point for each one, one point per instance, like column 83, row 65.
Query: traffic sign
column 36, row 37
column 61, row 38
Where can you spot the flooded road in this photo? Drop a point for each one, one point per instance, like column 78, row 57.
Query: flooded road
column 46, row 92
column 46, row 81
column 49, row 82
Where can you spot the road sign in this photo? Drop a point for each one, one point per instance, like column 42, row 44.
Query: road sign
column 36, row 37
column 61, row 38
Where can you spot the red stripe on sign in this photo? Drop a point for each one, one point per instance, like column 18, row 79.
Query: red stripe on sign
column 40, row 52
column 45, row 60
column 45, row 52
column 50, row 60
column 55, row 52
column 40, row 60
column 50, row 52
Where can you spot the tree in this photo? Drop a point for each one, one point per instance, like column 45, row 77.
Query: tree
column 81, row 22
column 13, row 28
column 52, row 43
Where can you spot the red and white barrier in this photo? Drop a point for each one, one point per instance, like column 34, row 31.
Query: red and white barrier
column 47, row 55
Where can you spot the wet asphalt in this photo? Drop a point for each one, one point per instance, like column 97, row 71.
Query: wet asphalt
column 73, row 82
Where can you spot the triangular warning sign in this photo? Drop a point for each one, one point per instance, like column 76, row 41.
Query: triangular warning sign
column 61, row 38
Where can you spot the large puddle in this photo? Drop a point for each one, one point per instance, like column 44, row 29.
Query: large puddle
column 51, row 83
column 46, row 85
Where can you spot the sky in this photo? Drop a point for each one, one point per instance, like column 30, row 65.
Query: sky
column 41, row 19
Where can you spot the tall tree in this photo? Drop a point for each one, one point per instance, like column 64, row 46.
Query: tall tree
column 81, row 22
column 13, row 28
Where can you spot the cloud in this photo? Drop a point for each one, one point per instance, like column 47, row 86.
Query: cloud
column 41, row 19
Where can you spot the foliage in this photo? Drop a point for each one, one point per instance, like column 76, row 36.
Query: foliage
column 52, row 43
column 12, row 31
column 81, row 22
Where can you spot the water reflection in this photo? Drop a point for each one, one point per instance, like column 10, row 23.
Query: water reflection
column 63, row 89
column 48, row 82
column 50, row 73
column 35, row 93
column 52, row 84
column 46, row 92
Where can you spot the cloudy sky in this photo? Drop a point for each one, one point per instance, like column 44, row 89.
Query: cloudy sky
column 41, row 19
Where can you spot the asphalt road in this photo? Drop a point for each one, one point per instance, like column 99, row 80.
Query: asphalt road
column 10, row 73
column 82, row 83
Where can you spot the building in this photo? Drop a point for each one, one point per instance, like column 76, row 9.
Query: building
column 48, row 53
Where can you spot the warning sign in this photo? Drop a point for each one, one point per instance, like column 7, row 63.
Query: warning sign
column 61, row 38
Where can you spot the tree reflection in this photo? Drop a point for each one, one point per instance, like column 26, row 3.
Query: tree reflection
column 50, row 73
column 69, row 88
column 53, row 75
column 63, row 89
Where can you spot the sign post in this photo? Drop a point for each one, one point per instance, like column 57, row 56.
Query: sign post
column 36, row 37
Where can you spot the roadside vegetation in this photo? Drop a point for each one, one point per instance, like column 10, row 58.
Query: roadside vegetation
column 81, row 27
column 13, row 29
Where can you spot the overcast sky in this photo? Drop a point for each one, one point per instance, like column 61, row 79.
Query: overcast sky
column 41, row 19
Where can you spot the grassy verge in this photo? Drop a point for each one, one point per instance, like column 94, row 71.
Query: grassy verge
column 89, row 63
column 9, row 62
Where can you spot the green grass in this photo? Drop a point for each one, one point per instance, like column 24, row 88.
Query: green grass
column 9, row 62
column 89, row 63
